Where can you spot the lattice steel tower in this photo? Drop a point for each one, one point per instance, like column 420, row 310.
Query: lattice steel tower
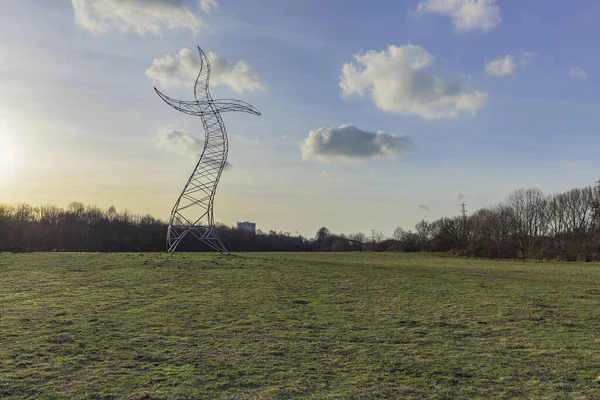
column 193, row 211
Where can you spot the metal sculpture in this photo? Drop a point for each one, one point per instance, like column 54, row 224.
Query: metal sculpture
column 196, row 202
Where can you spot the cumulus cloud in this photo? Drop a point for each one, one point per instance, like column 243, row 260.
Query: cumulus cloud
column 183, row 143
column 398, row 82
column 501, row 66
column 424, row 207
column 578, row 73
column 141, row 17
column 348, row 143
column 466, row 15
column 458, row 196
column 507, row 65
column 184, row 67
column 209, row 5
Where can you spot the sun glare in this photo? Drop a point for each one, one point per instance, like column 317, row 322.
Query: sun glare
column 7, row 157
column 8, row 152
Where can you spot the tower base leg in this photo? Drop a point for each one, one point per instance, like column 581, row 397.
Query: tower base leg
column 205, row 234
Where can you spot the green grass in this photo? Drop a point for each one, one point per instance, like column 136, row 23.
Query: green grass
column 279, row 326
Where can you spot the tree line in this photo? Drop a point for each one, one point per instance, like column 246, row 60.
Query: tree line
column 528, row 224
column 80, row 228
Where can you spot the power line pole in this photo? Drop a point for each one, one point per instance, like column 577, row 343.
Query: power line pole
column 463, row 225
column 373, row 235
column 596, row 205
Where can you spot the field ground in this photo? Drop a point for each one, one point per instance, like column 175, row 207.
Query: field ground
column 279, row 326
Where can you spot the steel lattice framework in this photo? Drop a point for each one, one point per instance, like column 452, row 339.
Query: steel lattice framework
column 193, row 211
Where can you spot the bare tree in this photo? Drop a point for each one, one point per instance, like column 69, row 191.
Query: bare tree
column 529, row 208
column 423, row 231
column 579, row 210
column 398, row 233
column 358, row 237
column 556, row 206
column 377, row 236
column 322, row 234
column 50, row 220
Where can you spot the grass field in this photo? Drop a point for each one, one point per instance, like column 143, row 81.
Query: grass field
column 279, row 326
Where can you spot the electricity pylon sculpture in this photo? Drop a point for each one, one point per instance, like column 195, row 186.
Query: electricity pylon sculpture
column 195, row 204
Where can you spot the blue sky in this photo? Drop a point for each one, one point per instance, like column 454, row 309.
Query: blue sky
column 517, row 105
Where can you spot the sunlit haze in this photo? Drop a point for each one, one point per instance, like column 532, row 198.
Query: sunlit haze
column 8, row 152
column 375, row 114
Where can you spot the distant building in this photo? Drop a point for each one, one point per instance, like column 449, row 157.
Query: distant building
column 247, row 226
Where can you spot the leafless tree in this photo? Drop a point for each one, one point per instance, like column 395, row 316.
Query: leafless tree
column 529, row 208
column 398, row 233
column 578, row 210
column 377, row 236
column 358, row 237
column 422, row 229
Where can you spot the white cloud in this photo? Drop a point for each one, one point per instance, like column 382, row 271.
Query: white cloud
column 184, row 67
column 424, row 207
column 398, row 81
column 141, row 17
column 208, row 5
column 466, row 15
column 183, row 143
column 507, row 65
column 501, row 66
column 578, row 73
column 348, row 143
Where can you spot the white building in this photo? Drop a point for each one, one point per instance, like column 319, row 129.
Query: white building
column 247, row 226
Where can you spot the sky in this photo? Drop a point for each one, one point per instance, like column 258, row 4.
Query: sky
column 374, row 114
